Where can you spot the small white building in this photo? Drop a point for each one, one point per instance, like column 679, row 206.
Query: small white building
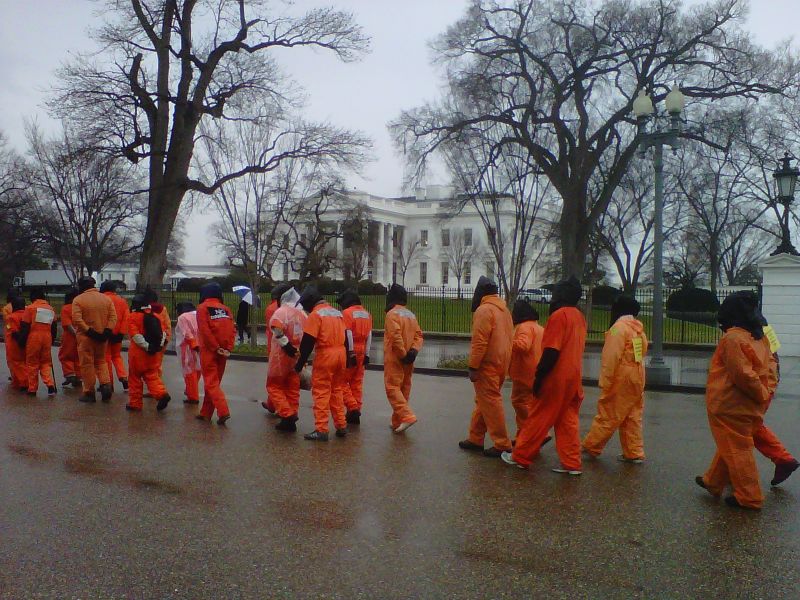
column 421, row 232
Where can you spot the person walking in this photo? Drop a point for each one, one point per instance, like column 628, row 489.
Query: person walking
column 358, row 321
column 94, row 318
column 217, row 334
column 38, row 323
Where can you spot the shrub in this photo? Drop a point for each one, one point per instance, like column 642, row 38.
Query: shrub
column 693, row 304
column 454, row 362
column 370, row 288
column 604, row 295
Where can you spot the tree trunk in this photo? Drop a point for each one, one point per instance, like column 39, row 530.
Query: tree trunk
column 574, row 241
column 162, row 213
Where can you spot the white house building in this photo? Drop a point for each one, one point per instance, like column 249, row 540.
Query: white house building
column 445, row 229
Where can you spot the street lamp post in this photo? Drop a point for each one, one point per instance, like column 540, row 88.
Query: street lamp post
column 656, row 137
column 785, row 181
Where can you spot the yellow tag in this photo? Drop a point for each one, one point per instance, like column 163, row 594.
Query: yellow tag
column 774, row 342
column 637, row 349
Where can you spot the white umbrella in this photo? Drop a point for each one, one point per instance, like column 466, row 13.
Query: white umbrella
column 246, row 294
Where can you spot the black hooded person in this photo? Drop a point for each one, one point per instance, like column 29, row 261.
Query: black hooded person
column 325, row 333
column 557, row 384
column 526, row 349
column 489, row 358
column 216, row 336
column 402, row 341
column 358, row 322
column 147, row 340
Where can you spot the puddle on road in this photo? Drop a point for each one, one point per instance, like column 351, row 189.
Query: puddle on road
column 29, row 452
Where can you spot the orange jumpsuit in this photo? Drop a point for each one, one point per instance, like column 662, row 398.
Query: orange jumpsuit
column 273, row 306
column 188, row 349
column 114, row 349
column 15, row 355
column 766, row 442
column 621, row 401
column 560, row 397
column 38, row 352
column 526, row 350
column 326, row 325
column 283, row 382
column 490, row 355
column 68, row 352
column 740, row 384
column 94, row 310
column 143, row 366
column 401, row 334
column 357, row 320
column 216, row 330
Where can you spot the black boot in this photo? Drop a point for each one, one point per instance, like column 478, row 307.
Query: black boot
column 124, row 382
column 353, row 417
column 340, row 433
column 162, row 402
column 317, row 436
column 51, row 390
column 75, row 381
column 88, row 397
column 105, row 392
column 286, row 424
column 467, row 445
column 782, row 472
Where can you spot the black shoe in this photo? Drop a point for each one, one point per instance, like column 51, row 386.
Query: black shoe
column 286, row 424
column 162, row 402
column 223, row 420
column 30, row 393
column 341, row 432
column 545, row 441
column 492, row 452
column 467, row 445
column 75, row 380
column 316, row 436
column 783, row 471
column 51, row 390
column 90, row 397
column 699, row 481
column 105, row 392
column 124, row 383
column 353, row 417
column 67, row 382
column 187, row 401
column 130, row 408
column 734, row 503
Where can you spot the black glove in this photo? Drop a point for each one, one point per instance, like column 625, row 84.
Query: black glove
column 537, row 385
column 107, row 333
column 352, row 361
column 289, row 349
column 116, row 338
column 95, row 335
column 298, row 368
column 366, row 361
column 153, row 349
column 409, row 358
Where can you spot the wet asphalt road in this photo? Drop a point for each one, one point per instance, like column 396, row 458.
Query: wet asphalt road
column 99, row 503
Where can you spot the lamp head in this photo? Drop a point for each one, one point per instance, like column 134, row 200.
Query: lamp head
column 786, row 177
column 642, row 106
column 675, row 101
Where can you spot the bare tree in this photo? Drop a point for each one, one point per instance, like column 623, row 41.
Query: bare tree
column 560, row 77
column 88, row 203
column 460, row 254
column 168, row 64
column 685, row 260
column 407, row 253
column 359, row 246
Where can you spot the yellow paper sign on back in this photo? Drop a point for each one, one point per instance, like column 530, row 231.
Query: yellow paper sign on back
column 774, row 342
column 637, row 349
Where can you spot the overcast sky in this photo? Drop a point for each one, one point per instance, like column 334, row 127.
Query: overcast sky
column 38, row 35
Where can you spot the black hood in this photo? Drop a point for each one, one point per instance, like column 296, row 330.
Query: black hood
column 523, row 311
column 70, row 296
column 566, row 293
column 210, row 290
column 86, row 283
column 184, row 307
column 151, row 296
column 108, row 286
column 397, row 294
column 138, row 302
column 17, row 303
column 752, row 300
column 309, row 298
column 624, row 305
column 278, row 291
column 485, row 287
column 738, row 310
column 348, row 298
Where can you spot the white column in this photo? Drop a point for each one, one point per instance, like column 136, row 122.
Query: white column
column 780, row 299
column 388, row 256
column 377, row 263
column 340, row 250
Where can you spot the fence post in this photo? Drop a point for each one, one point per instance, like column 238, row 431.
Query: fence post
column 444, row 312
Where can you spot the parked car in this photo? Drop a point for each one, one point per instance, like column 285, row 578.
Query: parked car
column 537, row 295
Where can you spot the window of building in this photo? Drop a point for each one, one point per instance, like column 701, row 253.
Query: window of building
column 423, row 273
column 445, row 238
column 286, row 271
column 423, row 238
column 468, row 236
column 445, row 273
column 467, row 273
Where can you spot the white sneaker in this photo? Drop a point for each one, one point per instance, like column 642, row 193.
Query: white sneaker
column 633, row 461
column 566, row 471
column 507, row 458
column 404, row 426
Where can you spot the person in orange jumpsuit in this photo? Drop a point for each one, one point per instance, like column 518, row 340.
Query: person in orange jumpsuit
column 557, row 385
column 489, row 359
column 324, row 333
column 283, row 382
column 93, row 317
column 276, row 294
column 68, row 351
column 621, row 403
column 15, row 344
column 38, row 324
column 217, row 335
column 114, row 346
column 147, row 341
column 741, row 381
column 402, row 342
column 188, row 349
column 160, row 311
column 358, row 321
column 526, row 349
